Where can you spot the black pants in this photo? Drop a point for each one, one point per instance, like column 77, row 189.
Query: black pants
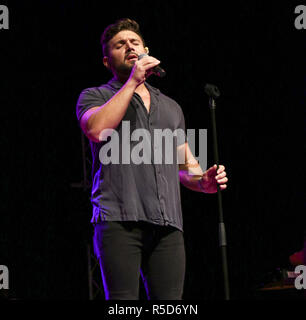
column 127, row 250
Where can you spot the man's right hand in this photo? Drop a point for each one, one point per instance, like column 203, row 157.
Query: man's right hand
column 109, row 115
column 142, row 69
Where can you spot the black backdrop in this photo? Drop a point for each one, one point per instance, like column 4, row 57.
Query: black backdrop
column 249, row 49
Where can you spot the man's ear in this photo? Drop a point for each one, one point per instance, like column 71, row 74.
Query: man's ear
column 105, row 62
column 147, row 50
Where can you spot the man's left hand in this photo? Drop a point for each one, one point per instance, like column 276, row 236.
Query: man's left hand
column 213, row 177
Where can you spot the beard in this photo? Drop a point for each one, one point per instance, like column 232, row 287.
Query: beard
column 125, row 68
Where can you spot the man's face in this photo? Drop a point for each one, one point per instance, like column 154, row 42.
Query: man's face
column 123, row 51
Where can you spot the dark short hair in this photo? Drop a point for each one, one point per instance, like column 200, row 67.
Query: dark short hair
column 113, row 29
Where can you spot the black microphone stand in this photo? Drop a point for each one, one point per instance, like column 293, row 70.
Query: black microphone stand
column 213, row 93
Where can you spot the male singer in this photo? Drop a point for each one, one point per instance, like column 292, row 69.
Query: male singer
column 137, row 217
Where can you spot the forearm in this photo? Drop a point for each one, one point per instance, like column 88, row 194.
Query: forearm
column 109, row 115
column 190, row 171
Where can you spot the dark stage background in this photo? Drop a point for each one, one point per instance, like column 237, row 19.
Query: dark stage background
column 250, row 49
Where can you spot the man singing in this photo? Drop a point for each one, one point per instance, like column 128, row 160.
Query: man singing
column 137, row 215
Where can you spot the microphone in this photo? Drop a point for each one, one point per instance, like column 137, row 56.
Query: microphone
column 158, row 71
column 212, row 91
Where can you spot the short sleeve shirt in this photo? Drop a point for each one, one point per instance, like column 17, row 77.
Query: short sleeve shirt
column 135, row 173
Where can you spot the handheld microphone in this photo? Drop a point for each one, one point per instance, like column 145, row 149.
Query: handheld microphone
column 158, row 71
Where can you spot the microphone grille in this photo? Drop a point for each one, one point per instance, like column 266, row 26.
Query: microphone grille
column 142, row 55
column 212, row 90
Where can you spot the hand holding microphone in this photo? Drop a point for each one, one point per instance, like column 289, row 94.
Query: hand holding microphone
column 144, row 67
column 157, row 70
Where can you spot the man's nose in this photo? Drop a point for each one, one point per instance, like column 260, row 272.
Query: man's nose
column 129, row 46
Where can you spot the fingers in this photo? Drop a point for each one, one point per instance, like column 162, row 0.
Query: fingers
column 143, row 69
column 222, row 181
column 147, row 63
column 220, row 169
column 221, row 176
column 218, row 175
column 212, row 170
column 147, row 60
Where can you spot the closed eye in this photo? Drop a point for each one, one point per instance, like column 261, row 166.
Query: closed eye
column 136, row 42
column 120, row 43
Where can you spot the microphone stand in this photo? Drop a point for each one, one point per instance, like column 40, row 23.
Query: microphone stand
column 213, row 93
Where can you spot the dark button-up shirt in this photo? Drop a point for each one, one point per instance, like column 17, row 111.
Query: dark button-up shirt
column 136, row 191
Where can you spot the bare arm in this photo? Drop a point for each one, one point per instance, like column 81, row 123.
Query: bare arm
column 193, row 177
column 109, row 115
column 190, row 171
